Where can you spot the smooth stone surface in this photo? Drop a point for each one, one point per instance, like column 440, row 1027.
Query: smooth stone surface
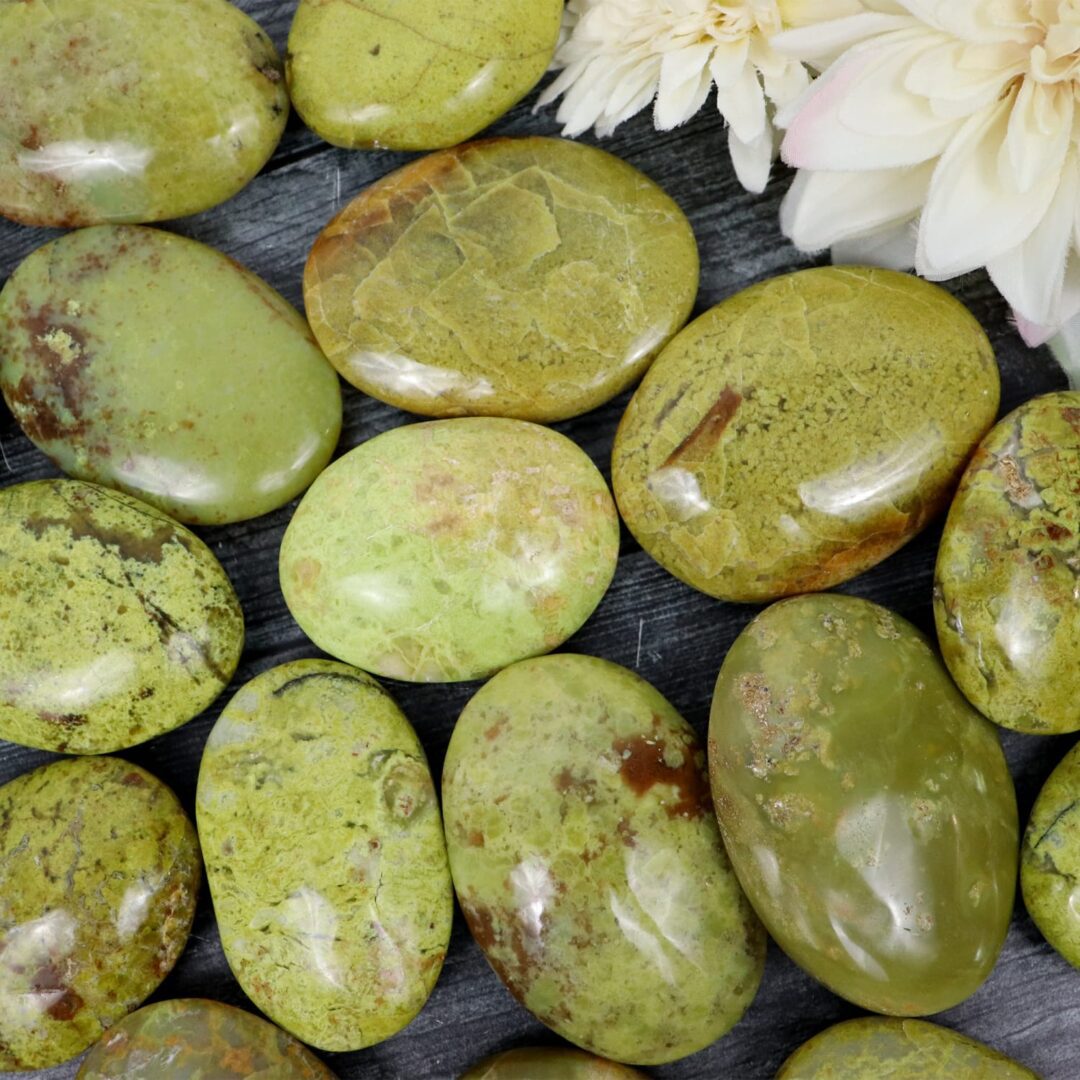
column 446, row 550
column 113, row 111
column 1007, row 582
column 324, row 854
column 534, row 278
column 803, row 430
column 415, row 76
column 155, row 364
column 588, row 864
column 866, row 806
column 549, row 1063
column 1050, row 859
column 873, row 1048
column 99, row 871
column 194, row 1039
column 118, row 624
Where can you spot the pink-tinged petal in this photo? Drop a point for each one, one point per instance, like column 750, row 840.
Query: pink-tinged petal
column 752, row 160
column 1039, row 135
column 892, row 249
column 1033, row 334
column 821, row 43
column 743, row 106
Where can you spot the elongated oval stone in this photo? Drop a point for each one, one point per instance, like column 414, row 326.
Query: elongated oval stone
column 588, row 865
column 324, row 854
column 533, row 278
column 1008, row 571
column 867, row 807
column 419, row 76
column 112, row 111
column 193, row 1039
column 875, row 1047
column 549, row 1063
column 99, row 870
column 447, row 550
column 803, row 430
column 155, row 364
column 118, row 624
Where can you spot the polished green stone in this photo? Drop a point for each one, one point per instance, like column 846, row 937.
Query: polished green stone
column 99, row 870
column 875, row 1048
column 324, row 854
column 867, row 807
column 803, row 430
column 444, row 551
column 127, row 112
column 193, row 1039
column 1008, row 571
column 549, row 1063
column 588, row 864
column 118, row 624
column 415, row 76
column 154, row 364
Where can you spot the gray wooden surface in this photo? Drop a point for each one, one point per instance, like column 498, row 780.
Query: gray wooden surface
column 673, row 636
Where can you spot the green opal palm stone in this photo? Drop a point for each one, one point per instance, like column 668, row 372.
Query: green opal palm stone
column 549, row 1063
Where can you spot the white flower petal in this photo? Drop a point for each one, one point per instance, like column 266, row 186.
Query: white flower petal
column 893, row 249
column 684, row 85
column 974, row 20
column 729, row 61
column 753, row 160
column 743, row 106
column 1066, row 348
column 1036, row 143
column 820, row 43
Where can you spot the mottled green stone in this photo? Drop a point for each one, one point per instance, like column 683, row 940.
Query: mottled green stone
column 874, row 1048
column 118, row 624
column 1007, row 590
column 193, row 1039
column 415, row 76
column 588, row 865
column 803, row 430
column 324, row 854
column 444, row 551
column 99, row 871
column 549, row 1063
column 127, row 112
column 866, row 806
column 154, row 364
column 533, row 278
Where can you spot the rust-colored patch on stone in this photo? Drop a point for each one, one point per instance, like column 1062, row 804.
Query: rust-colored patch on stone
column 703, row 439
column 145, row 549
column 64, row 1003
column 645, row 765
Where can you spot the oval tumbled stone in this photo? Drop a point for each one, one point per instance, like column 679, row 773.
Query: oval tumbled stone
column 99, row 870
column 533, row 278
column 418, row 76
column 324, row 854
column 1008, row 571
column 875, row 1047
column 155, row 364
column 118, row 625
column 588, row 864
column 866, row 805
column 803, row 430
column 444, row 551
column 549, row 1063
column 194, row 1039
column 113, row 111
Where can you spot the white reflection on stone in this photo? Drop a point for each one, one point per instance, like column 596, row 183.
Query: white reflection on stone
column 310, row 923
column 76, row 689
column 397, row 374
column 377, row 590
column 84, row 159
column 533, row 890
column 133, row 907
column 679, row 491
column 46, row 942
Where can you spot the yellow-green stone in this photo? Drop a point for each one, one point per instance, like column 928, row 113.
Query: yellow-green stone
column 1050, row 859
column 1007, row 596
column 533, row 278
column 549, row 1063
column 588, row 864
column 118, row 624
column 446, row 550
column 875, row 1048
column 128, row 112
column 803, row 430
column 99, row 871
column 867, row 807
column 419, row 75
column 155, row 364
column 324, row 854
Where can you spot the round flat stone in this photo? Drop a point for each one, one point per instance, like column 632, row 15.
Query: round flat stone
column 193, row 1039
column 112, row 111
column 1008, row 571
column 118, row 625
column 533, row 278
column 325, row 854
column 152, row 363
column 803, row 430
column 446, row 550
column 549, row 1063
column 99, row 870
column 418, row 76
column 588, row 863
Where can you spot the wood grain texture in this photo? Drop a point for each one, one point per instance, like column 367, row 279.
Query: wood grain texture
column 673, row 636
